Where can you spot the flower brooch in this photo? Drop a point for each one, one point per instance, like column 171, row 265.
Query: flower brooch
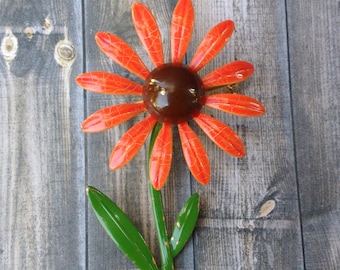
column 172, row 94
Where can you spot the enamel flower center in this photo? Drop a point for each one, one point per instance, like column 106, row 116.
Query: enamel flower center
column 173, row 93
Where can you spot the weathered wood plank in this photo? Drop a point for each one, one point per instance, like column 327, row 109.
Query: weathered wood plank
column 314, row 42
column 231, row 234
column 42, row 224
column 42, row 221
column 128, row 185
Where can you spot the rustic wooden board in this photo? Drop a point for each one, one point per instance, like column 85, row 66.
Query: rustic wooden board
column 292, row 162
column 232, row 234
column 314, row 42
column 126, row 186
column 42, row 198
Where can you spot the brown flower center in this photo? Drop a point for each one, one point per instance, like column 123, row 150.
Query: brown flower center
column 172, row 93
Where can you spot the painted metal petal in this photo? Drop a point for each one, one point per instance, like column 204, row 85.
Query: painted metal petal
column 231, row 73
column 121, row 53
column 109, row 117
column 181, row 29
column 148, row 32
column 131, row 142
column 194, row 154
column 108, row 83
column 212, row 44
column 161, row 155
column 221, row 134
column 235, row 104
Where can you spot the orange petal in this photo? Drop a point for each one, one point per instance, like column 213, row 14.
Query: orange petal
column 235, row 104
column 233, row 72
column 194, row 154
column 212, row 44
column 222, row 135
column 109, row 117
column 121, row 53
column 148, row 32
column 108, row 83
column 181, row 29
column 161, row 155
column 131, row 142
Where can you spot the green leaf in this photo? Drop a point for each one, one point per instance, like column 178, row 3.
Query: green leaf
column 121, row 230
column 185, row 224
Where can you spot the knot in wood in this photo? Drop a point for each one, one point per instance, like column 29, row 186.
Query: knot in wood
column 65, row 53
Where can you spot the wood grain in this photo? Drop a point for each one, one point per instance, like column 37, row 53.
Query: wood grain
column 42, row 221
column 314, row 43
column 277, row 208
column 126, row 186
column 231, row 233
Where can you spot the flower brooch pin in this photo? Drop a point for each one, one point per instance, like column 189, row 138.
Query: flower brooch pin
column 171, row 94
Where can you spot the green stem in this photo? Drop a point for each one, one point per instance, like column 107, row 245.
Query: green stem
column 163, row 239
column 158, row 213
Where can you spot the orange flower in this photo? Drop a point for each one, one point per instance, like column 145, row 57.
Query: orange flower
column 172, row 93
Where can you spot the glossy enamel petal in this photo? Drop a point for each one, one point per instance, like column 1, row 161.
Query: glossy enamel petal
column 212, row 44
column 109, row 117
column 231, row 73
column 131, row 142
column 235, row 104
column 108, row 83
column 194, row 154
column 181, row 29
column 121, row 53
column 161, row 155
column 222, row 135
column 148, row 32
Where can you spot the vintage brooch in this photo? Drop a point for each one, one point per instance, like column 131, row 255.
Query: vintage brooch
column 171, row 94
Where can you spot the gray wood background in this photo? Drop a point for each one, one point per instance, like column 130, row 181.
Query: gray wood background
column 292, row 161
